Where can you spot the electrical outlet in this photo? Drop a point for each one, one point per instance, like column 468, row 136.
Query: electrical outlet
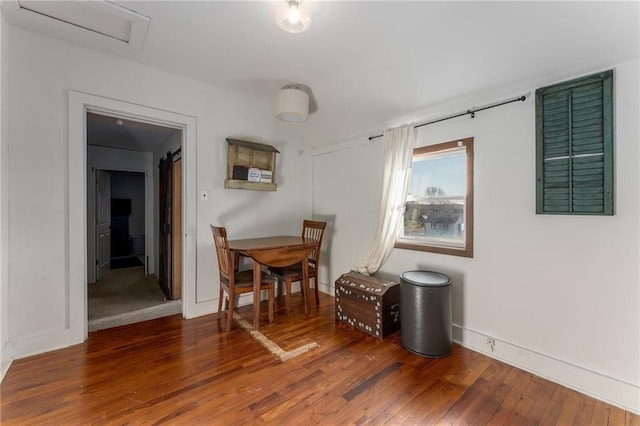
column 204, row 195
column 491, row 342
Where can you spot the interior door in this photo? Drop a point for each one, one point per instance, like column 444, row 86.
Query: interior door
column 103, row 223
column 170, row 265
column 165, row 275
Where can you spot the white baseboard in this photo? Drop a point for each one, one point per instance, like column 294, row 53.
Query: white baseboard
column 42, row 342
column 608, row 389
column 211, row 306
column 200, row 308
column 327, row 289
column 5, row 361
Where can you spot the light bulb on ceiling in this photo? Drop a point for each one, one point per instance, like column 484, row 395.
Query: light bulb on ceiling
column 293, row 16
column 294, row 12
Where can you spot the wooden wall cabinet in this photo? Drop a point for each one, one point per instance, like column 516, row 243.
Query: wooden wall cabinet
column 244, row 154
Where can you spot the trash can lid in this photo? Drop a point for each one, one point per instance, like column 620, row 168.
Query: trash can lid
column 426, row 278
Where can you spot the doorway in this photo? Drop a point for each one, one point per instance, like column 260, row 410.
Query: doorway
column 79, row 103
column 122, row 161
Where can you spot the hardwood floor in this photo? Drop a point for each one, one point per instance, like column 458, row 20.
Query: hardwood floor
column 176, row 371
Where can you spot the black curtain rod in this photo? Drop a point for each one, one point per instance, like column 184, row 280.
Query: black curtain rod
column 471, row 112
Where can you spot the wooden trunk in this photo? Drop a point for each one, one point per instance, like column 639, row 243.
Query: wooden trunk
column 369, row 303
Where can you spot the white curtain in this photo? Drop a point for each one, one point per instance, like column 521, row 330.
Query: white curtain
column 398, row 147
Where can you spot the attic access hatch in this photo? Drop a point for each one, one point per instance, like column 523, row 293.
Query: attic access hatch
column 93, row 19
column 251, row 165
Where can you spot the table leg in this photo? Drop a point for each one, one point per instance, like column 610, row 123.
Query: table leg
column 257, row 275
column 270, row 301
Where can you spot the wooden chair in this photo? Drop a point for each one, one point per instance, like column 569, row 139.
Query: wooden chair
column 236, row 282
column 313, row 230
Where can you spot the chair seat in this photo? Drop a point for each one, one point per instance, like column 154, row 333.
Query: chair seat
column 293, row 272
column 244, row 280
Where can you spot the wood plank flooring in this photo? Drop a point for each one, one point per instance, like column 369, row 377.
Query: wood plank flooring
column 175, row 371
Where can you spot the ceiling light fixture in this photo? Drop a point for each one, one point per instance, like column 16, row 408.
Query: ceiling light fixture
column 292, row 104
column 293, row 16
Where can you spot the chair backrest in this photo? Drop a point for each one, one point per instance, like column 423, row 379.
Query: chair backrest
column 314, row 230
column 225, row 260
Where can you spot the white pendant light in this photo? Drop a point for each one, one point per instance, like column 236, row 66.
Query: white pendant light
column 293, row 16
column 292, row 104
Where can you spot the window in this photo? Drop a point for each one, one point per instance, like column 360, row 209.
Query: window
column 574, row 146
column 439, row 205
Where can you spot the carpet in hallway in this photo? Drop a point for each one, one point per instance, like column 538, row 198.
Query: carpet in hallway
column 124, row 296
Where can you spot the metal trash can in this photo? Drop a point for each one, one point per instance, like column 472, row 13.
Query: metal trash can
column 425, row 313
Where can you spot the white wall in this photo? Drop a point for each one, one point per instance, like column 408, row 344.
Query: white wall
column 40, row 71
column 346, row 192
column 560, row 294
column 5, row 356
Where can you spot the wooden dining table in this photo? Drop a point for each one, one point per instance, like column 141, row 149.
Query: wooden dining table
column 279, row 252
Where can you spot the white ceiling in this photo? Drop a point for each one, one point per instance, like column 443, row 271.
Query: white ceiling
column 103, row 130
column 368, row 62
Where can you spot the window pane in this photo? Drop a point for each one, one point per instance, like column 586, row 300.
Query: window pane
column 436, row 175
column 435, row 203
column 441, row 222
column 438, row 214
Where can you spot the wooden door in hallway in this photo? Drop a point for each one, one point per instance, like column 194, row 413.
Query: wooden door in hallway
column 170, row 265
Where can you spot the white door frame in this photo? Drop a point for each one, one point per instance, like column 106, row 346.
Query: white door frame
column 78, row 104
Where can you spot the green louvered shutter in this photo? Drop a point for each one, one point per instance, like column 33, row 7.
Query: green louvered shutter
column 574, row 146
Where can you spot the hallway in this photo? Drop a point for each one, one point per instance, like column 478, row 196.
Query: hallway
column 126, row 296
